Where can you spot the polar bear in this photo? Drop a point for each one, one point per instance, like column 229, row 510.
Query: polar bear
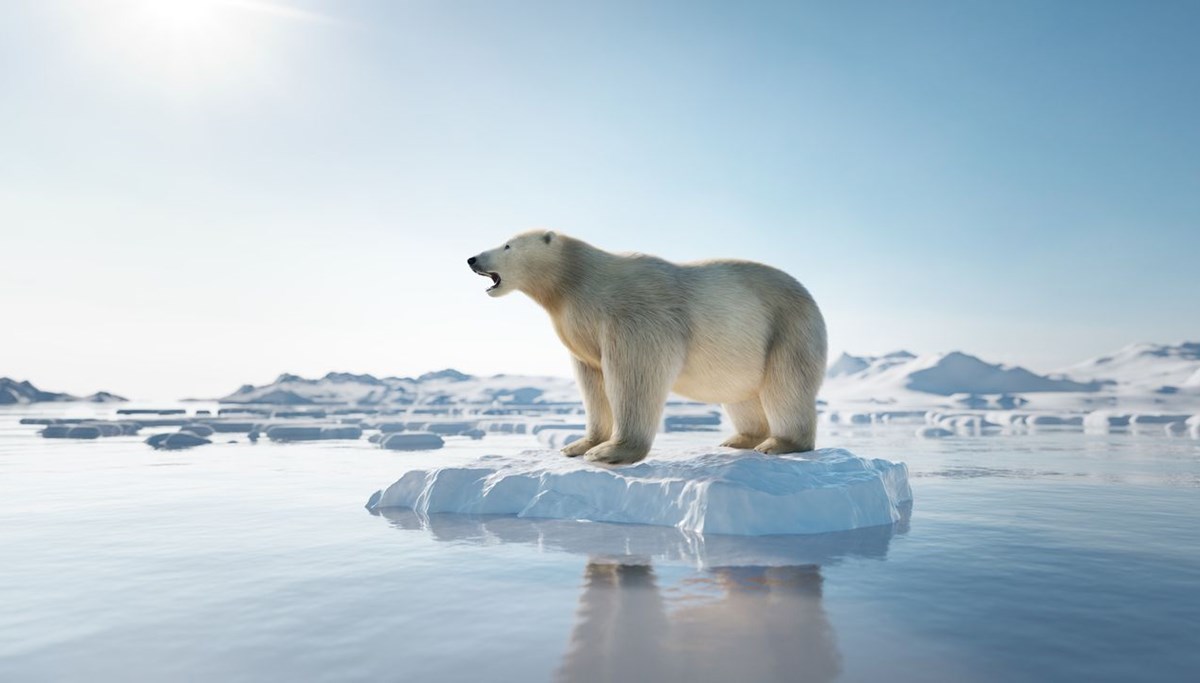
column 732, row 332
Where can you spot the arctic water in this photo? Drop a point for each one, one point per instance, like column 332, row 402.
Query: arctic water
column 1045, row 556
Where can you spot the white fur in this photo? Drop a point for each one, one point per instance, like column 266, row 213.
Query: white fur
column 638, row 327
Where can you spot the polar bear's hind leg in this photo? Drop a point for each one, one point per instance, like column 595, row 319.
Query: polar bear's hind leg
column 793, row 418
column 750, row 422
column 795, row 369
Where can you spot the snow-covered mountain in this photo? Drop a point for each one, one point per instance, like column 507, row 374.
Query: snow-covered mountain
column 1141, row 376
column 941, row 374
column 434, row 388
column 13, row 392
column 1144, row 366
column 847, row 365
column 1135, row 374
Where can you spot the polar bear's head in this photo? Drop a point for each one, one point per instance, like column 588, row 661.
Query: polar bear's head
column 520, row 263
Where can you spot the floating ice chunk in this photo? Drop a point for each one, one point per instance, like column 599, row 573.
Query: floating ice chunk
column 71, row 428
column 230, row 426
column 1054, row 420
column 1010, row 419
column 71, row 432
column 967, row 423
column 557, row 438
column 933, row 432
column 106, row 428
column 176, row 441
column 539, row 426
column 1144, row 419
column 504, row 426
column 443, row 428
column 199, row 429
column 740, row 493
column 1103, row 420
column 411, row 441
column 692, row 421
column 835, row 417
column 898, row 416
column 313, row 432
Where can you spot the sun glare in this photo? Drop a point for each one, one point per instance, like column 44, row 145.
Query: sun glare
column 193, row 46
column 180, row 19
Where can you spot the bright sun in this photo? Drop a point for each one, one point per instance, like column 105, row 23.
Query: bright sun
column 188, row 45
column 192, row 46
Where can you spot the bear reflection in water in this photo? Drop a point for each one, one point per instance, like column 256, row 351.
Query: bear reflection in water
column 731, row 624
column 752, row 611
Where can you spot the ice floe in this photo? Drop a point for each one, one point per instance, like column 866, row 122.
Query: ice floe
column 313, row 432
column 702, row 491
column 411, row 441
column 176, row 441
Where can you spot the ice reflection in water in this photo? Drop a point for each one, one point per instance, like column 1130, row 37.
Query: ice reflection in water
column 753, row 611
column 736, row 623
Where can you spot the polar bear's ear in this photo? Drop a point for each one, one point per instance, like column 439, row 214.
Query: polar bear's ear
column 547, row 236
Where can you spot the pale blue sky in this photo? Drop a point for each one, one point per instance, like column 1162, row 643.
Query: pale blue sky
column 196, row 194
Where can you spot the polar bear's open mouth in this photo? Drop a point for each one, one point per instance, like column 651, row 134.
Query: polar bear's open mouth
column 495, row 278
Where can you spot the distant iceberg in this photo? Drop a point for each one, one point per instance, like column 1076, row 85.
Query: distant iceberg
column 730, row 492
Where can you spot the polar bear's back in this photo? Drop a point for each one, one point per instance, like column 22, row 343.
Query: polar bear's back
column 743, row 292
column 738, row 311
column 765, row 281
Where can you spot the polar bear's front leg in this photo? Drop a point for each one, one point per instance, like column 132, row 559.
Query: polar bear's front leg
column 595, row 404
column 637, row 379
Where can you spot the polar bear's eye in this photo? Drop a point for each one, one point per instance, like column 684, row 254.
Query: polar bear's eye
column 507, row 247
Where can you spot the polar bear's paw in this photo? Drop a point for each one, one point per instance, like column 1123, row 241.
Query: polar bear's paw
column 617, row 453
column 778, row 446
column 580, row 446
column 742, row 441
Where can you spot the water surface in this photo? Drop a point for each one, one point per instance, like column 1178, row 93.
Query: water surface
column 1056, row 556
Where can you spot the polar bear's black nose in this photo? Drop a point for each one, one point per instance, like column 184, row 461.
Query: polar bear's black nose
column 471, row 261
